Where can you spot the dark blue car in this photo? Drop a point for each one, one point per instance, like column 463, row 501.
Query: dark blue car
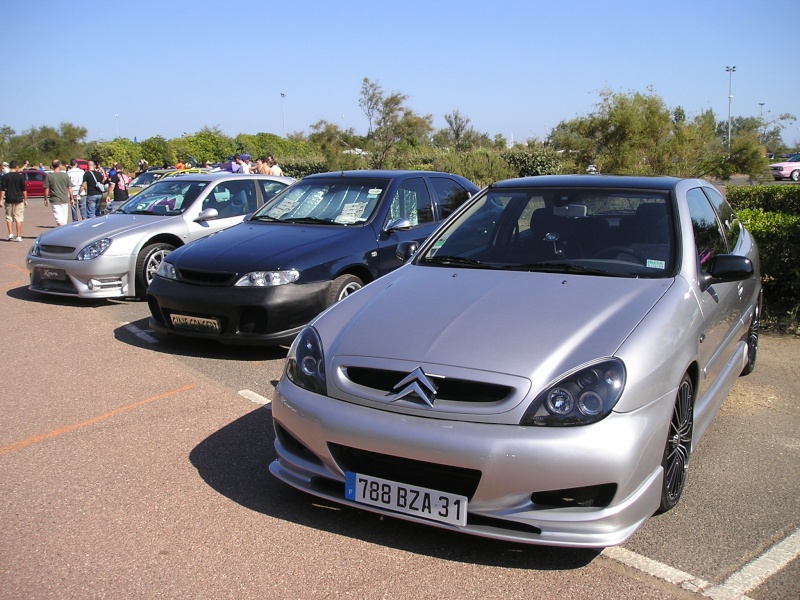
column 320, row 240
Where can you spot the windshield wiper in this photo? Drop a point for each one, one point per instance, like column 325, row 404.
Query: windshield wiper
column 264, row 218
column 457, row 260
column 560, row 267
column 304, row 220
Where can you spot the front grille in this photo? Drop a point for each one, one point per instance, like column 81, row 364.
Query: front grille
column 57, row 249
column 205, row 277
column 455, row 480
column 450, row 389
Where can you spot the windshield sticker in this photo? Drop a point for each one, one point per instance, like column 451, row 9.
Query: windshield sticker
column 352, row 213
column 655, row 264
column 374, row 192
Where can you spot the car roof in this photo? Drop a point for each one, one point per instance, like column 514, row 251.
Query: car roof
column 591, row 181
column 217, row 175
column 385, row 173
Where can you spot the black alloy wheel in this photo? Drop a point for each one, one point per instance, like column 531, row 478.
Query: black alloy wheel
column 678, row 447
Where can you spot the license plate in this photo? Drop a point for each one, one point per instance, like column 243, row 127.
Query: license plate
column 195, row 323
column 408, row 499
column 47, row 273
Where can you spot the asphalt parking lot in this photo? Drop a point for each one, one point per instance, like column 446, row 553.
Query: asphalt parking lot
column 134, row 465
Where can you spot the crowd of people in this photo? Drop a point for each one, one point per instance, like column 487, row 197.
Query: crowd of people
column 77, row 193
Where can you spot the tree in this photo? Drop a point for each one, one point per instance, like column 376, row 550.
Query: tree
column 390, row 123
column 638, row 134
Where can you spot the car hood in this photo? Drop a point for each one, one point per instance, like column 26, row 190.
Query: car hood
column 533, row 325
column 786, row 163
column 262, row 246
column 77, row 235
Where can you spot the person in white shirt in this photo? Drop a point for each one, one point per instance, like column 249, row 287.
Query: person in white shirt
column 75, row 174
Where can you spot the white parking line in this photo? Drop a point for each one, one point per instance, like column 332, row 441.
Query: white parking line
column 253, row 397
column 141, row 333
column 758, row 570
column 735, row 587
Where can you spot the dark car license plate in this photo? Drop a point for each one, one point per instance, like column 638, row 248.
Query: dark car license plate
column 48, row 273
column 195, row 323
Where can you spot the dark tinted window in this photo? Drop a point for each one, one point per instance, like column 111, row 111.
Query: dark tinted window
column 730, row 223
column 708, row 236
column 450, row 193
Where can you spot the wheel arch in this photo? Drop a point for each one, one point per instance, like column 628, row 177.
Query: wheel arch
column 161, row 238
column 359, row 271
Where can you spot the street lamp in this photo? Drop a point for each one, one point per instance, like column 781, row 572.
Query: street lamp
column 730, row 71
column 116, row 123
column 283, row 105
column 761, row 119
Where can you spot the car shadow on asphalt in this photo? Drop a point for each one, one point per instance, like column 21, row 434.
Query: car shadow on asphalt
column 137, row 333
column 27, row 295
column 234, row 461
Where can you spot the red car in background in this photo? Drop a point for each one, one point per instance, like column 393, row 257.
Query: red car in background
column 34, row 182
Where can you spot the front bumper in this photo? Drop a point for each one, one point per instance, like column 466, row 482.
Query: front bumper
column 515, row 463
column 102, row 277
column 263, row 316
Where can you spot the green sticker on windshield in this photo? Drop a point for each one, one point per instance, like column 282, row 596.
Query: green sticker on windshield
column 655, row 264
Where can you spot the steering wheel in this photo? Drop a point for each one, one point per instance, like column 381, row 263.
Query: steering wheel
column 615, row 251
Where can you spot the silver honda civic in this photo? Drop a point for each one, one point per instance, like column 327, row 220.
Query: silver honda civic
column 541, row 368
column 118, row 254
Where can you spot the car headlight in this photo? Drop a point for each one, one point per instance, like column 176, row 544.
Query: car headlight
column 36, row 248
column 267, row 278
column 305, row 363
column 94, row 249
column 584, row 397
column 166, row 270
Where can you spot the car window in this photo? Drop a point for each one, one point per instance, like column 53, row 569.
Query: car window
column 709, row 238
column 170, row 197
column 730, row 223
column 269, row 189
column 607, row 231
column 337, row 201
column 450, row 193
column 232, row 198
column 412, row 201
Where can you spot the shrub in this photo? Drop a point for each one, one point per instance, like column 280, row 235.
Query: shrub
column 771, row 198
column 778, row 237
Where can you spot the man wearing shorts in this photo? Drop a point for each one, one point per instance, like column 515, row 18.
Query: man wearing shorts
column 58, row 191
column 15, row 198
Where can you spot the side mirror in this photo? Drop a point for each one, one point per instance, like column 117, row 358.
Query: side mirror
column 207, row 215
column 406, row 250
column 726, row 268
column 399, row 224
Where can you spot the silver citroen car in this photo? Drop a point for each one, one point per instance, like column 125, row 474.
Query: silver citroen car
column 541, row 368
column 118, row 255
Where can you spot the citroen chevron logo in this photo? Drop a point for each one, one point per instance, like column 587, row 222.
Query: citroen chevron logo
column 417, row 384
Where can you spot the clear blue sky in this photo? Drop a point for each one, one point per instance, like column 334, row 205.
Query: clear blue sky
column 516, row 68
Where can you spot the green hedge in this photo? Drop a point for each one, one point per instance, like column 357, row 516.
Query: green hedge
column 772, row 214
column 771, row 198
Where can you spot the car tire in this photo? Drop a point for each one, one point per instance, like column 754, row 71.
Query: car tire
column 343, row 286
column 678, row 447
column 795, row 176
column 752, row 338
column 147, row 265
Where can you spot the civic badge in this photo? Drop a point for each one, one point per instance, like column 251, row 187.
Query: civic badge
column 418, row 384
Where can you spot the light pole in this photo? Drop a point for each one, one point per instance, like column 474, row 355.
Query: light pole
column 116, row 123
column 730, row 71
column 283, row 106
column 761, row 119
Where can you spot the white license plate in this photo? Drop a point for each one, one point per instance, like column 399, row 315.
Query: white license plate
column 408, row 499
column 195, row 323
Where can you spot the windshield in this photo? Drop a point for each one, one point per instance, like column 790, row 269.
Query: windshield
column 599, row 231
column 328, row 201
column 145, row 179
column 168, row 197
